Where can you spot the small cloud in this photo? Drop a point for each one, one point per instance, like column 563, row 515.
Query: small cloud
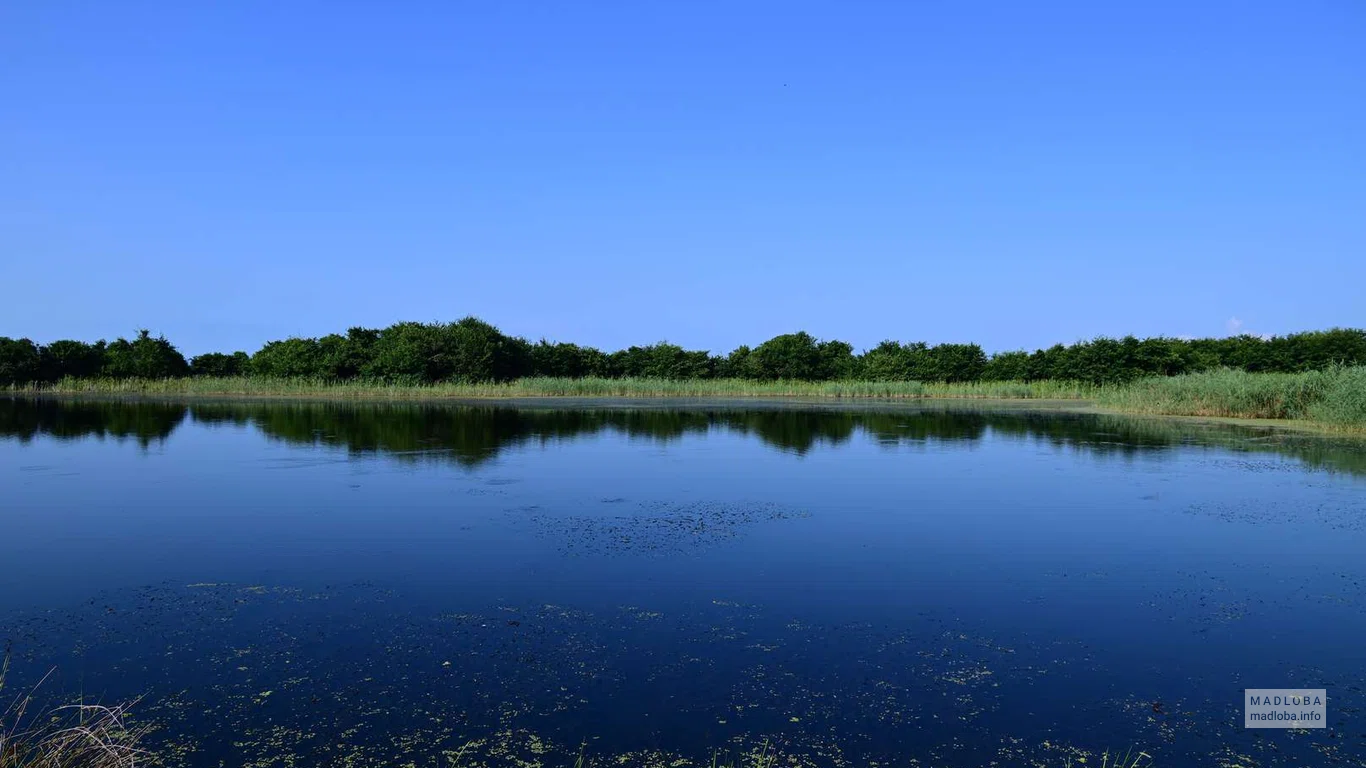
column 1236, row 328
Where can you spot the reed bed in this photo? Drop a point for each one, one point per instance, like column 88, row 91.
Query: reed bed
column 1334, row 398
column 565, row 387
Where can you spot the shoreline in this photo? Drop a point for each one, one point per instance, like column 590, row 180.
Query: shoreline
column 651, row 401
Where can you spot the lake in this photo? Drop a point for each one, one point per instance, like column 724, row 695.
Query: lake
column 290, row 583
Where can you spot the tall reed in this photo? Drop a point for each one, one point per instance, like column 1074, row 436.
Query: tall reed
column 563, row 387
column 1334, row 398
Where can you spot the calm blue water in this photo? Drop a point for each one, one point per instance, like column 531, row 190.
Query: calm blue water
column 380, row 584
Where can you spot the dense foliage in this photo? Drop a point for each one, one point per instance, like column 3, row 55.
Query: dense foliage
column 145, row 357
column 219, row 364
column 471, row 350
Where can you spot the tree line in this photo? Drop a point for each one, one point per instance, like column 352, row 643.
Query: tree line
column 471, row 350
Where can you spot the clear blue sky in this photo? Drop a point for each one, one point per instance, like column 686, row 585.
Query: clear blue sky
column 1011, row 173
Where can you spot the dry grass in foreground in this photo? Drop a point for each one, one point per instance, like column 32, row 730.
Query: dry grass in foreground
column 73, row 736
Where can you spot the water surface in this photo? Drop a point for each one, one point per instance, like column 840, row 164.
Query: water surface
column 329, row 583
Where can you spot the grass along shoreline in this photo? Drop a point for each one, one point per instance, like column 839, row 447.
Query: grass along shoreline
column 588, row 387
column 1332, row 399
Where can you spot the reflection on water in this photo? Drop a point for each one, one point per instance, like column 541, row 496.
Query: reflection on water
column 326, row 583
column 471, row 434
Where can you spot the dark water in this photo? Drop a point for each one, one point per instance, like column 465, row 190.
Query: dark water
column 330, row 584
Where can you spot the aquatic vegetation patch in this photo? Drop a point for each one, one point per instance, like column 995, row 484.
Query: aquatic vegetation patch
column 654, row 527
column 257, row 675
column 1337, row 514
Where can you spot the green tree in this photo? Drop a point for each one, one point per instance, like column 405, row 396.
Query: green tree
column 663, row 361
column 559, row 359
column 219, row 364
column 958, row 362
column 404, row 352
column 290, row 358
column 1007, row 366
column 1162, row 357
column 738, row 364
column 71, row 358
column 20, row 362
column 468, row 350
column 473, row 350
column 894, row 361
column 837, row 360
column 798, row 356
column 145, row 357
